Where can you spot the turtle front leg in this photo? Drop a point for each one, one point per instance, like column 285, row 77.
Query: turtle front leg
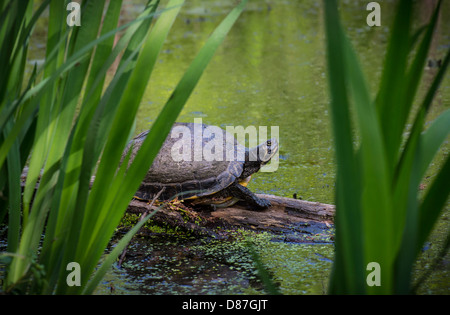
column 243, row 193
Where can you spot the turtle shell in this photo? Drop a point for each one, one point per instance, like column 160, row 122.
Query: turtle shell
column 196, row 160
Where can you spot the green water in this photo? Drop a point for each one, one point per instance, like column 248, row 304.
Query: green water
column 183, row 265
column 270, row 71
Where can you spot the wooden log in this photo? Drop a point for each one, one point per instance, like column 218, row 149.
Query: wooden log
column 285, row 214
column 305, row 209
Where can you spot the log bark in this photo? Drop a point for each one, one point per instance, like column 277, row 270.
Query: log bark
column 285, row 214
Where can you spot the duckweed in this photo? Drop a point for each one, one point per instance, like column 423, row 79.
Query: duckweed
column 171, row 264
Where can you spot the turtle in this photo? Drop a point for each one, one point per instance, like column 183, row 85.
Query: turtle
column 203, row 165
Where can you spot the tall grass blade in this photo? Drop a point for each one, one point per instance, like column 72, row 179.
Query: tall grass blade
column 62, row 215
column 376, row 203
column 415, row 158
column 66, row 145
column 112, row 257
column 391, row 105
column 386, row 212
column 14, row 190
column 92, row 220
column 263, row 274
column 347, row 273
column 431, row 206
column 166, row 118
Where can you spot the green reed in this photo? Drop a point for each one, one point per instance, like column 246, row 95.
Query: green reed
column 379, row 214
column 66, row 124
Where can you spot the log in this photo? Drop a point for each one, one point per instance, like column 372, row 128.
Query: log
column 285, row 215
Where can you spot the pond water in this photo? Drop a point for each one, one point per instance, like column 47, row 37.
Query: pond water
column 270, row 71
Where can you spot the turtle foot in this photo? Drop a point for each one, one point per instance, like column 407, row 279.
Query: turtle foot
column 246, row 195
column 263, row 203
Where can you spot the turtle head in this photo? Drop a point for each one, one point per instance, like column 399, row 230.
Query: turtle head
column 266, row 150
column 259, row 156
